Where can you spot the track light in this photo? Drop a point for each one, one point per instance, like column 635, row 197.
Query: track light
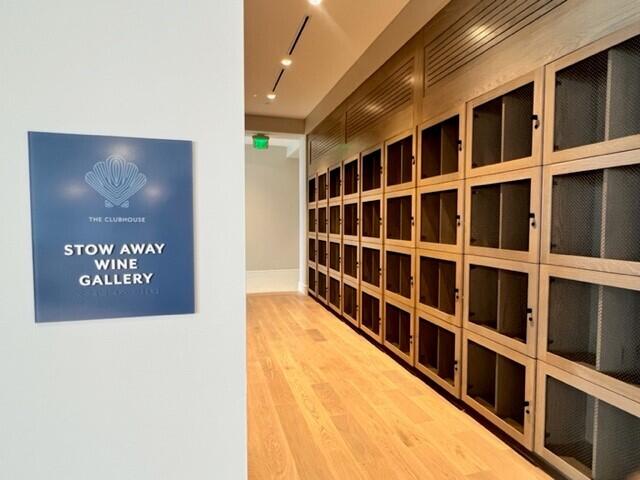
column 271, row 96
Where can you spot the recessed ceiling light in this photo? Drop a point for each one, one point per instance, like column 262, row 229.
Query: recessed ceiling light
column 271, row 96
column 285, row 62
column 315, row 2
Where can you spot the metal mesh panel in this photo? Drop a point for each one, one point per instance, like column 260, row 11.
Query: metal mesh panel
column 581, row 91
column 518, row 126
column 596, row 98
column 569, row 424
column 485, row 216
column 576, row 213
column 597, row 213
column 597, row 326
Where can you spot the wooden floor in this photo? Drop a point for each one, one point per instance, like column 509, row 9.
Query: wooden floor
column 326, row 404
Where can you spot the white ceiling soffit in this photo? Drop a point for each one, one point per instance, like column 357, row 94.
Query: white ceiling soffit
column 415, row 15
column 337, row 33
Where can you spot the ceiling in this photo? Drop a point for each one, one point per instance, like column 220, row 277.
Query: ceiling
column 336, row 35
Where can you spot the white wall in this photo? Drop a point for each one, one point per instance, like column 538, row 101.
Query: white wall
column 146, row 398
column 272, row 228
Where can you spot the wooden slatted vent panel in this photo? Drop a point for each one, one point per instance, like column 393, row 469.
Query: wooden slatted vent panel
column 484, row 26
column 394, row 92
column 328, row 135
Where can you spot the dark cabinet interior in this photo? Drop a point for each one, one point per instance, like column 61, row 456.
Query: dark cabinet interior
column 322, row 186
column 334, row 292
column 371, row 266
column 322, row 285
column 500, row 215
column 350, row 301
column 597, row 213
column 398, row 278
column 371, row 312
column 311, row 223
column 371, row 218
column 334, row 219
column 312, row 250
column 350, row 180
column 498, row 300
column 398, row 327
column 350, row 253
column 437, row 350
column 593, row 97
column 596, row 326
column 400, row 161
column 503, row 128
column 334, row 256
column 399, row 218
column 335, row 182
column 440, row 145
column 350, row 212
column 439, row 217
column 322, row 220
column 372, row 171
column 322, row 253
column 437, row 288
column 312, row 279
column 311, row 191
column 497, row 383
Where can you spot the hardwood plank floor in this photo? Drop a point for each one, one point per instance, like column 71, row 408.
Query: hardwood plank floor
column 326, row 404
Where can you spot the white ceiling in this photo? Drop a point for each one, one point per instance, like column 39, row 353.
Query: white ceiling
column 337, row 34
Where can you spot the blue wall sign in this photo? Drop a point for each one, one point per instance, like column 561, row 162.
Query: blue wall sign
column 112, row 226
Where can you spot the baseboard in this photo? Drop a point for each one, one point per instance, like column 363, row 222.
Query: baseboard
column 263, row 281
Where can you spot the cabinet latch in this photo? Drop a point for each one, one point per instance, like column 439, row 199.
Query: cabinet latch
column 459, row 145
column 530, row 315
column 532, row 219
column 536, row 121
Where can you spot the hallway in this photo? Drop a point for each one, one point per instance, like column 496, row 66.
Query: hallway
column 324, row 403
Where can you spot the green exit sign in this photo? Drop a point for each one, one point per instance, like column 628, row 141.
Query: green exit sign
column 260, row 141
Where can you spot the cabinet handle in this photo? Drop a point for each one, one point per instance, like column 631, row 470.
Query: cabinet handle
column 412, row 221
column 458, row 220
column 411, row 280
column 455, row 365
column 526, row 407
column 459, row 145
column 530, row 315
column 532, row 218
column 457, row 293
column 413, row 160
column 536, row 121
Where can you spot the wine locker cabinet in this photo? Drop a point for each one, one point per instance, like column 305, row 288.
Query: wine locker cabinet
column 371, row 214
column 335, row 183
column 335, row 221
column 399, row 274
column 351, row 261
column 590, row 326
column 440, row 210
column 372, row 261
column 371, row 169
column 592, row 213
column 500, row 301
column 504, row 127
column 398, row 329
column 439, row 285
column 334, row 295
column 440, row 148
column 371, row 313
column 592, row 99
column 350, row 305
column 438, row 351
column 499, row 384
column 351, row 179
column 502, row 215
column 585, row 430
column 351, row 220
column 399, row 226
column 311, row 281
column 400, row 163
